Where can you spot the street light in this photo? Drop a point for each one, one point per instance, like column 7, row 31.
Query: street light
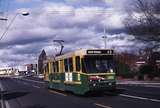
column 11, row 22
column 25, row 13
column 3, row 19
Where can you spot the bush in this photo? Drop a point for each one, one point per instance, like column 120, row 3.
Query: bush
column 123, row 70
column 146, row 70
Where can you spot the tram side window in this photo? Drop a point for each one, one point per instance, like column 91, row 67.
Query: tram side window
column 66, row 65
column 77, row 63
column 53, row 65
column 70, row 64
column 57, row 66
column 61, row 66
column 83, row 66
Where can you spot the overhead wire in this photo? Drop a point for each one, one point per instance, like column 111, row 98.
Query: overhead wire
column 4, row 9
column 8, row 27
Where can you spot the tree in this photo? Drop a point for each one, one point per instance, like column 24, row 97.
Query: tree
column 143, row 21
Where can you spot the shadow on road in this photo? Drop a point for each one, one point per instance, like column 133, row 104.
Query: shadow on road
column 105, row 93
column 13, row 95
column 92, row 94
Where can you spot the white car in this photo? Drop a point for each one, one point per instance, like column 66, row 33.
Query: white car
column 41, row 76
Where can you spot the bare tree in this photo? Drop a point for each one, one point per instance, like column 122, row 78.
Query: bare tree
column 143, row 21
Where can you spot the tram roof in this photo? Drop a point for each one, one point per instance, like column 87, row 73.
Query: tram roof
column 82, row 52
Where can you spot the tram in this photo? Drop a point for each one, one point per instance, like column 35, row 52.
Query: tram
column 81, row 71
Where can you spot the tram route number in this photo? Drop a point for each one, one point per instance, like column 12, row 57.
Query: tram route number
column 99, row 51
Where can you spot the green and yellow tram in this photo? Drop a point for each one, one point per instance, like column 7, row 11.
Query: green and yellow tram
column 81, row 71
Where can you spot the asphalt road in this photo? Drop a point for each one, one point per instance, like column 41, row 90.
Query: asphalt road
column 33, row 93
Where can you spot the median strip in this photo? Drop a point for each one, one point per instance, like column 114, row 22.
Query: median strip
column 101, row 105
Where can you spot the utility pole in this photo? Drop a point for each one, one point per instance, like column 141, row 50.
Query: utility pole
column 105, row 38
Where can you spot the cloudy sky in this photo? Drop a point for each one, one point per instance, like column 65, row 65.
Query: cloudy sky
column 80, row 23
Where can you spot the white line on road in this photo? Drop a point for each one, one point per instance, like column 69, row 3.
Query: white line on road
column 55, row 92
column 25, row 83
column 101, row 105
column 1, row 87
column 2, row 101
column 141, row 98
column 35, row 86
column 7, row 104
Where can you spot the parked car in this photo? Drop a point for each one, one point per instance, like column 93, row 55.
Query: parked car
column 41, row 76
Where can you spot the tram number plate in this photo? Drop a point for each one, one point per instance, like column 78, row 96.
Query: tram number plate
column 110, row 77
column 68, row 77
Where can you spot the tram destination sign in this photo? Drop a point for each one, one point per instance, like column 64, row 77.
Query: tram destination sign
column 99, row 51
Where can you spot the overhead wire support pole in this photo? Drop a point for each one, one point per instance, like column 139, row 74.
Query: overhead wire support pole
column 105, row 38
column 61, row 43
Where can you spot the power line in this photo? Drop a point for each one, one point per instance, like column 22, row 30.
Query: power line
column 11, row 22
column 6, row 30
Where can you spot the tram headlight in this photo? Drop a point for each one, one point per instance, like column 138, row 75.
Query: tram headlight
column 111, row 70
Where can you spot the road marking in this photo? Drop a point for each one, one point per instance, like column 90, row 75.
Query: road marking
column 35, row 86
column 25, row 83
column 141, row 98
column 2, row 102
column 101, row 105
column 55, row 92
column 1, row 87
column 7, row 104
column 33, row 81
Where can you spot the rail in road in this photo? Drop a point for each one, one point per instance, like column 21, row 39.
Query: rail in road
column 30, row 93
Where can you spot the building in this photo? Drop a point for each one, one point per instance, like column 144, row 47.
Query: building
column 41, row 58
column 31, row 67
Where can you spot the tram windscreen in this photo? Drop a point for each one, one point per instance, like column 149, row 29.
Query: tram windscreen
column 98, row 64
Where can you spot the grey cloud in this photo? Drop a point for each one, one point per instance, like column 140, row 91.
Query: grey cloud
column 87, row 2
column 83, row 29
